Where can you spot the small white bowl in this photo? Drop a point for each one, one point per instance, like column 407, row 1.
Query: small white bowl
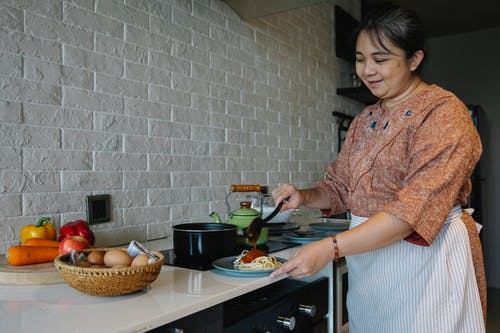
column 281, row 217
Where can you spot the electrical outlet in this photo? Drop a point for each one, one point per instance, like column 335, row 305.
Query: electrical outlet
column 98, row 208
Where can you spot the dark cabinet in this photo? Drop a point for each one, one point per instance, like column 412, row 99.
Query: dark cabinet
column 284, row 306
column 207, row 321
column 360, row 94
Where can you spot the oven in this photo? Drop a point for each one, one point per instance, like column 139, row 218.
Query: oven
column 286, row 306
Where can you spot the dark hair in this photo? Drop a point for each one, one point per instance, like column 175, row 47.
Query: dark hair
column 399, row 25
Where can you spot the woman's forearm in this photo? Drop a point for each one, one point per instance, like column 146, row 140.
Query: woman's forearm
column 380, row 230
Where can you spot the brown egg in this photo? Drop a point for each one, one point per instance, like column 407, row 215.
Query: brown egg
column 117, row 257
column 96, row 258
column 140, row 260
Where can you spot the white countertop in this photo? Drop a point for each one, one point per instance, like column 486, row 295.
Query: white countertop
column 176, row 293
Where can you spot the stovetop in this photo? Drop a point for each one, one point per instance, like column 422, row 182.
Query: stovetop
column 171, row 260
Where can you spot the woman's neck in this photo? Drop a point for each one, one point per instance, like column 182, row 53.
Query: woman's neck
column 415, row 86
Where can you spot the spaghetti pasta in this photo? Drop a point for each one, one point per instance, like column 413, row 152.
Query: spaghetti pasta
column 263, row 262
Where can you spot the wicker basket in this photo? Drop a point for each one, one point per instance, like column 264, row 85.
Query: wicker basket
column 108, row 281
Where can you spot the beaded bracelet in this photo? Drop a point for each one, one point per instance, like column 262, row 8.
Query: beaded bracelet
column 335, row 248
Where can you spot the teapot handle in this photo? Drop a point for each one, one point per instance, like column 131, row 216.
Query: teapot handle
column 242, row 188
column 245, row 188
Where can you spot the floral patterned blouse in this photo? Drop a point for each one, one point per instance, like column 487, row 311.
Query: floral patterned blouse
column 413, row 161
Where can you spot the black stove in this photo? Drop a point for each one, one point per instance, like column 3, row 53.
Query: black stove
column 171, row 260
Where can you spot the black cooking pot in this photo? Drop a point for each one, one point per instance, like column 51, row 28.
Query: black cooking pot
column 204, row 242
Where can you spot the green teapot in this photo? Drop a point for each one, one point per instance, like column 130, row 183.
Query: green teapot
column 241, row 218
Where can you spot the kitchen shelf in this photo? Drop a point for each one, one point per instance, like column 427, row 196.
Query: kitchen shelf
column 360, row 94
column 344, row 121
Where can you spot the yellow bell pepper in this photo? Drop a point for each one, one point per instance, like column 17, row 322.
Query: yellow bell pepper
column 42, row 229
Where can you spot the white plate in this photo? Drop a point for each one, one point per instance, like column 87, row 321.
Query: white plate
column 281, row 217
column 333, row 221
column 302, row 239
column 331, row 225
column 225, row 266
column 281, row 227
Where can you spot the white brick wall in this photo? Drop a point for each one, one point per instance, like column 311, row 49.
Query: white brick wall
column 162, row 104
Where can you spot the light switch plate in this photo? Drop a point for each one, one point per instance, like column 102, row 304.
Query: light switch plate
column 98, row 208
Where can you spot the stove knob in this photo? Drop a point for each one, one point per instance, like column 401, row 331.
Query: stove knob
column 309, row 310
column 286, row 322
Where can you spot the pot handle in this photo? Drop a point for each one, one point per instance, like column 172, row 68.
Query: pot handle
column 245, row 188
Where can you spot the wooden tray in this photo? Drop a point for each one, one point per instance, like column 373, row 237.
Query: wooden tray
column 37, row 274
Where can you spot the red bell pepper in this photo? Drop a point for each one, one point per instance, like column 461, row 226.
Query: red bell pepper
column 77, row 228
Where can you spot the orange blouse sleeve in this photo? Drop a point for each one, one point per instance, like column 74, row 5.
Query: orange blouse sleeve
column 443, row 154
column 337, row 184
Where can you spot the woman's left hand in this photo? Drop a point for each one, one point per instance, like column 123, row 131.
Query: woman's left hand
column 308, row 260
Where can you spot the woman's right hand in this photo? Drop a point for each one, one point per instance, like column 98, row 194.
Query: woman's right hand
column 308, row 260
column 296, row 197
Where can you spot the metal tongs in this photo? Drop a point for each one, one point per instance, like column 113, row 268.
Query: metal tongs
column 255, row 227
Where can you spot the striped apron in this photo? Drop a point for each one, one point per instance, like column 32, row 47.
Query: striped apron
column 405, row 288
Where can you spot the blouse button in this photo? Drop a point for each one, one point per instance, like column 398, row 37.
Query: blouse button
column 408, row 113
column 372, row 124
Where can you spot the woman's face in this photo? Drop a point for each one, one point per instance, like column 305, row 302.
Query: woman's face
column 387, row 73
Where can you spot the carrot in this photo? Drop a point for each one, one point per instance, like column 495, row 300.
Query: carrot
column 41, row 242
column 20, row 255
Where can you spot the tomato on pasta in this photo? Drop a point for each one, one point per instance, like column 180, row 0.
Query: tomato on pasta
column 255, row 260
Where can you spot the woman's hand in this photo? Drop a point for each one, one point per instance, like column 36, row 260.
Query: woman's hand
column 308, row 260
column 295, row 196
column 312, row 197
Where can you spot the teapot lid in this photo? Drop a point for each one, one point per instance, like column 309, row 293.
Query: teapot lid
column 245, row 210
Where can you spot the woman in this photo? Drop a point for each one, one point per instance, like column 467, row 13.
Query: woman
column 414, row 257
